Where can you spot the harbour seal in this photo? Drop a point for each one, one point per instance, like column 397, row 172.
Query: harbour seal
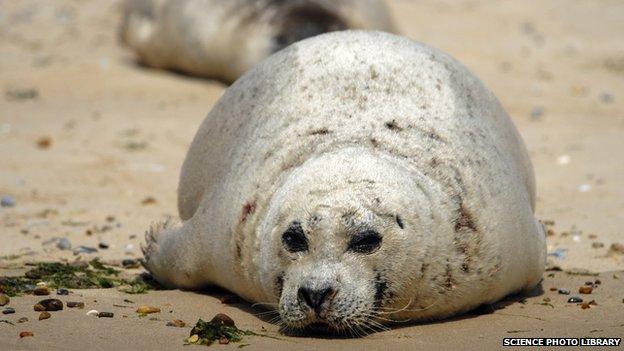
column 224, row 38
column 351, row 179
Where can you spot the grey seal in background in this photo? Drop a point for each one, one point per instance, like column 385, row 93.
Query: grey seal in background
column 224, row 38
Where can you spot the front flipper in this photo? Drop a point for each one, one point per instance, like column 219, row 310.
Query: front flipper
column 172, row 255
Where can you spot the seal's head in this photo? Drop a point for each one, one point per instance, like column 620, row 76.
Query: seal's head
column 347, row 247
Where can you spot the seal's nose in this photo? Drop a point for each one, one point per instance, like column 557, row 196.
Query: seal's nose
column 314, row 297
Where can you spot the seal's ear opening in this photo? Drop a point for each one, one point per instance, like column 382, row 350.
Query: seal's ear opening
column 304, row 21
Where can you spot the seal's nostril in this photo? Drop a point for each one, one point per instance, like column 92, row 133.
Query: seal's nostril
column 314, row 297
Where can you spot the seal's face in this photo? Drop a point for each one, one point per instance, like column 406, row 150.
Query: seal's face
column 338, row 273
column 343, row 242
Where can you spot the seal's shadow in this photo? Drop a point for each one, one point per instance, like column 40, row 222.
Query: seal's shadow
column 266, row 316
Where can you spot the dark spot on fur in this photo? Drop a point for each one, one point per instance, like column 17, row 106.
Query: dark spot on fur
column 381, row 286
column 239, row 250
column 374, row 73
column 464, row 219
column 279, row 283
column 399, row 221
column 392, row 125
column 449, row 282
column 320, row 131
column 247, row 210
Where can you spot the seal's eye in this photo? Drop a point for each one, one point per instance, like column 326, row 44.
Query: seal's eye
column 365, row 242
column 294, row 239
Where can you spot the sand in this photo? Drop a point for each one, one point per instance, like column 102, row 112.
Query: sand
column 91, row 146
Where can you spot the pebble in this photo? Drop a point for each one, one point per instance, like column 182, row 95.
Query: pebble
column 92, row 313
column 7, row 201
column 26, row 334
column 224, row 341
column 193, row 338
column 4, row 300
column 74, row 304
column 147, row 309
column 617, row 248
column 223, row 319
column 130, row 263
column 176, row 323
column 563, row 291
column 129, row 249
column 8, row 310
column 105, row 315
column 563, row 160
column 584, row 188
column 44, row 142
column 44, row 315
column 22, row 320
column 537, row 112
column 64, row 244
column 62, row 292
column 49, row 305
column 586, row 289
column 598, row 282
column 41, row 291
column 575, row 299
column 84, row 249
column 597, row 245
column 606, row 98
column 103, row 246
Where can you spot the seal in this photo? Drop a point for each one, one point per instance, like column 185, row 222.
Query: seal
column 223, row 39
column 352, row 179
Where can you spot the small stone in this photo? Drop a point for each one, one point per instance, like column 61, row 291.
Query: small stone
column 26, row 334
column 606, row 98
column 585, row 305
column 92, row 313
column 616, row 248
column 130, row 263
column 597, row 281
column 42, row 284
column 223, row 319
column 129, row 249
column 589, row 283
column 176, row 323
column 84, row 249
column 62, row 292
column 584, row 188
column 147, row 309
column 597, row 245
column 224, row 341
column 586, row 289
column 105, row 315
column 537, row 112
column 49, row 305
column 7, row 201
column 41, row 291
column 44, row 142
column 74, row 304
column 22, row 320
column 64, row 244
column 103, row 246
column 564, row 291
column 193, row 338
column 44, row 315
column 8, row 310
column 575, row 299
column 4, row 300
column 148, row 201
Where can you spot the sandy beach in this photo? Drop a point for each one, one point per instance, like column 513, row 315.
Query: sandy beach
column 91, row 146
